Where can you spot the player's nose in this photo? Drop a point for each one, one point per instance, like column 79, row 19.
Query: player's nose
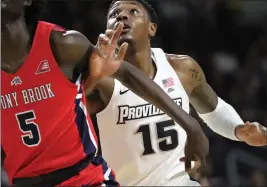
column 122, row 16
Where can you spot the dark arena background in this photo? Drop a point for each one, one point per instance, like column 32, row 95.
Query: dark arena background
column 229, row 40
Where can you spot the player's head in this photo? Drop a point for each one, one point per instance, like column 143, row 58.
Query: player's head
column 139, row 18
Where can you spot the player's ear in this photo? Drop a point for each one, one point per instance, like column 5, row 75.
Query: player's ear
column 27, row 2
column 152, row 29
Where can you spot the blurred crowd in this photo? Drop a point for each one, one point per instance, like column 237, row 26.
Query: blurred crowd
column 228, row 38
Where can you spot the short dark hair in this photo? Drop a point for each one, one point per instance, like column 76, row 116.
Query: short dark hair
column 150, row 10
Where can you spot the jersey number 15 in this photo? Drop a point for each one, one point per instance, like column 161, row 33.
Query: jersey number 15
column 162, row 133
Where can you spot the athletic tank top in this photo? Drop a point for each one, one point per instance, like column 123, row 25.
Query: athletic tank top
column 140, row 143
column 45, row 126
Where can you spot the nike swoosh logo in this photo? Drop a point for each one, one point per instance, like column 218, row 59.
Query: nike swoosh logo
column 123, row 92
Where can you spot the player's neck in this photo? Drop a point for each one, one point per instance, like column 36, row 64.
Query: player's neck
column 14, row 44
column 140, row 57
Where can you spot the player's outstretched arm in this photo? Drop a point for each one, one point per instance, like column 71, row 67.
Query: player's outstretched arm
column 219, row 115
column 102, row 61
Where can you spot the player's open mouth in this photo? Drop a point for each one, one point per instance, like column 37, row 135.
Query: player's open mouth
column 126, row 28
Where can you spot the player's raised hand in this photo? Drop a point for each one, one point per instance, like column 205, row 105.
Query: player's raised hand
column 196, row 149
column 253, row 134
column 103, row 60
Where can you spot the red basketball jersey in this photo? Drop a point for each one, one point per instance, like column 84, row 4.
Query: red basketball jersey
column 45, row 125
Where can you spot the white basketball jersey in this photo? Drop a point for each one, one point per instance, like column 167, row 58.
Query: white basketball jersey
column 139, row 142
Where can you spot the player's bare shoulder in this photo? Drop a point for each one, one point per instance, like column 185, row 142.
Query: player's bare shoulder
column 69, row 47
column 187, row 69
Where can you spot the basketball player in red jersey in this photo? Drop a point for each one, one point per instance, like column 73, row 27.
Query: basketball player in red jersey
column 47, row 136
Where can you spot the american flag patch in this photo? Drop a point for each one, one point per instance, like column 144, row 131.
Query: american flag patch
column 167, row 82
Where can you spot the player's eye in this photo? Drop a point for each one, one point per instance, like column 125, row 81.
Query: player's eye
column 134, row 11
column 114, row 14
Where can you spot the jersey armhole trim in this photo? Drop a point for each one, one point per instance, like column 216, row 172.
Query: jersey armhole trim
column 178, row 78
column 115, row 90
column 159, row 52
column 59, row 28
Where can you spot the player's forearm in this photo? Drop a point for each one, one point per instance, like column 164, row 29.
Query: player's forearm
column 216, row 113
column 194, row 114
column 90, row 84
column 224, row 120
column 143, row 86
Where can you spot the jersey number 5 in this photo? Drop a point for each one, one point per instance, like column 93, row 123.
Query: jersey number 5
column 162, row 132
column 29, row 128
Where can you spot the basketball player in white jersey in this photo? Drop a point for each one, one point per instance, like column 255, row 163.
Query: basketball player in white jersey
column 140, row 142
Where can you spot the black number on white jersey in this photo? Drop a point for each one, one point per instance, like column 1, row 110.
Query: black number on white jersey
column 162, row 133
column 30, row 129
